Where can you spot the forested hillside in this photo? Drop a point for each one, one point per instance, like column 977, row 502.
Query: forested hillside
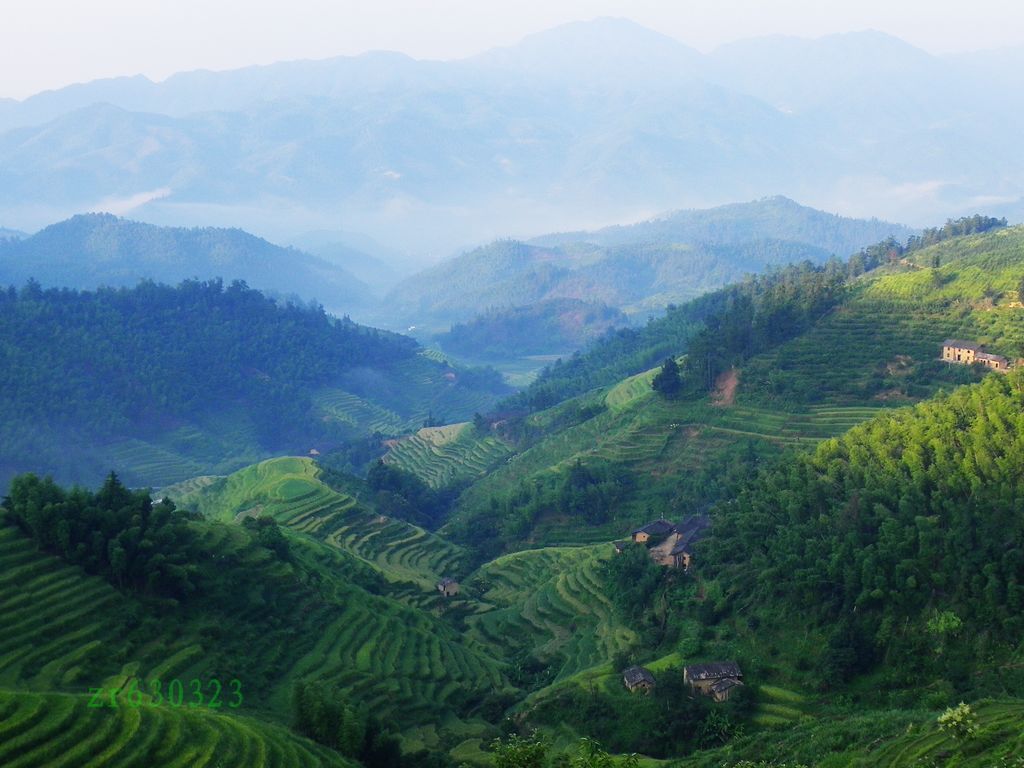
column 164, row 381
column 639, row 269
column 94, row 250
column 536, row 329
column 902, row 540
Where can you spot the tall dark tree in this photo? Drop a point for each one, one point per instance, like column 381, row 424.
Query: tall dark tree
column 668, row 382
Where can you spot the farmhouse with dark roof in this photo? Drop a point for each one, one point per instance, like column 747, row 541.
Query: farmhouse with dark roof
column 657, row 528
column 717, row 679
column 638, row 677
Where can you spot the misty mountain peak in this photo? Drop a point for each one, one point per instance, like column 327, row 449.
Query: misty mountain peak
column 602, row 48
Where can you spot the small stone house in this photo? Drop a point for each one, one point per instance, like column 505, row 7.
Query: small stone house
column 638, row 678
column 959, row 351
column 968, row 353
column 995, row 362
column 657, row 528
column 676, row 551
column 717, row 679
column 448, row 587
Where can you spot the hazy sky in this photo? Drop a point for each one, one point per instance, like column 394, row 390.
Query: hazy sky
column 50, row 43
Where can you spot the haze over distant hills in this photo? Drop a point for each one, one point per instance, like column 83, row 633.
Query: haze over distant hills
column 575, row 127
column 93, row 250
column 639, row 268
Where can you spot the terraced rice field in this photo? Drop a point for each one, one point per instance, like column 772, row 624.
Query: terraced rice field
column 136, row 458
column 53, row 615
column 61, row 731
column 870, row 334
column 289, row 490
column 223, row 444
column 443, row 455
column 817, row 423
column 402, row 552
column 400, row 662
column 631, row 389
column 342, row 406
column 778, row 706
column 551, row 602
column 1005, row 718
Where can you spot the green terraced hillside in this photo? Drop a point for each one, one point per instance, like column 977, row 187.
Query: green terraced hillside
column 887, row 738
column 53, row 730
column 658, row 440
column 550, row 602
column 290, row 491
column 882, row 344
column 64, row 630
column 444, row 455
column 346, row 408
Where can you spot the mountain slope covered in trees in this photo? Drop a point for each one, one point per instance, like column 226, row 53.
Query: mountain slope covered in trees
column 166, row 381
column 639, row 269
column 89, row 251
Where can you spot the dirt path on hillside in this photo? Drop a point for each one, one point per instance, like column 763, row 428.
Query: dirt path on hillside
column 725, row 388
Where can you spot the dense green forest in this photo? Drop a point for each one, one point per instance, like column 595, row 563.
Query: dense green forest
column 222, row 369
column 903, row 538
column 141, row 360
column 550, row 326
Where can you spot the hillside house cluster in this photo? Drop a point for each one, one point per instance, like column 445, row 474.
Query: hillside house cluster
column 969, row 352
column 670, row 544
column 717, row 680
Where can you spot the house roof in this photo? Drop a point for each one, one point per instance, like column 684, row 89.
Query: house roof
column 989, row 356
column 636, row 675
column 656, row 528
column 620, row 545
column 713, row 671
column 446, row 582
column 961, row 344
column 682, row 546
column 725, row 684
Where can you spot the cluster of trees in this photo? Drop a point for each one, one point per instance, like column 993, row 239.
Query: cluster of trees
column 114, row 532
column 759, row 314
column 401, row 494
column 632, row 579
column 966, row 225
column 884, row 533
column 668, row 722
column 323, row 713
column 109, row 362
column 587, row 493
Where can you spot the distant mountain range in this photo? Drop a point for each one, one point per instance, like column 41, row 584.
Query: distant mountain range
column 587, row 123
